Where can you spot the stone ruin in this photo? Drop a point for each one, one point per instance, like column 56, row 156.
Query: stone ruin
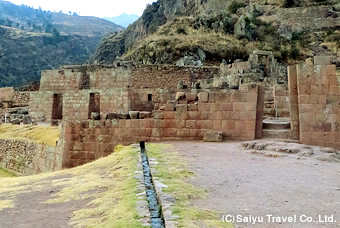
column 14, row 105
column 99, row 107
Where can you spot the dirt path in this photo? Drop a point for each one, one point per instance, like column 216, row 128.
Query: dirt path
column 30, row 209
column 242, row 183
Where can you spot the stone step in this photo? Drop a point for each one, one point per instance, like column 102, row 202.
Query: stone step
column 276, row 125
column 275, row 134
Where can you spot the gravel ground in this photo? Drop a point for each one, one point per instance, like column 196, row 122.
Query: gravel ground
column 249, row 184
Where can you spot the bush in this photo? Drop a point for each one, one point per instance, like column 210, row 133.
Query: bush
column 234, row 6
column 288, row 3
column 294, row 51
column 181, row 30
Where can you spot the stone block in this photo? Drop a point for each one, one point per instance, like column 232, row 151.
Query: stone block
column 169, row 107
column 191, row 97
column 145, row 115
column 169, row 115
column 158, row 114
column 213, row 136
column 15, row 121
column 95, row 115
column 203, row 97
column 180, row 96
column 111, row 116
column 212, row 97
column 134, row 114
column 181, row 111
column 322, row 60
column 192, row 107
column 27, row 120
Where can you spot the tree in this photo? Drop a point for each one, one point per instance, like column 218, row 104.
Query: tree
column 48, row 28
column 55, row 33
column 8, row 22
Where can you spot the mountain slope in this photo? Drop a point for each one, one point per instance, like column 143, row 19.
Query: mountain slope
column 35, row 40
column 225, row 29
column 23, row 55
column 124, row 20
column 33, row 20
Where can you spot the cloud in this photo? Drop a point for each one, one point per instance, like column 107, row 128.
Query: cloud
column 98, row 8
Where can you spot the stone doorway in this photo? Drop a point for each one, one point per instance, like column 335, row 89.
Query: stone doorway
column 94, row 104
column 57, row 109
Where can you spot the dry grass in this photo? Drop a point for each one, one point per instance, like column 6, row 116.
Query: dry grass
column 168, row 39
column 46, row 135
column 108, row 184
column 110, row 187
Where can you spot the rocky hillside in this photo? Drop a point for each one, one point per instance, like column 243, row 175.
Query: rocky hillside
column 200, row 31
column 35, row 40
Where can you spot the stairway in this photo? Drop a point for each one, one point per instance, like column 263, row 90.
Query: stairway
column 276, row 128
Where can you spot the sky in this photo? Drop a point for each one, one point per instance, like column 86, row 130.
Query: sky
column 98, row 8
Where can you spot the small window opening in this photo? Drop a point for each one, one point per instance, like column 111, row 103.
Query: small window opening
column 149, row 97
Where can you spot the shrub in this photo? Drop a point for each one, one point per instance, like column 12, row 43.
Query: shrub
column 234, row 6
column 294, row 51
column 181, row 30
column 288, row 3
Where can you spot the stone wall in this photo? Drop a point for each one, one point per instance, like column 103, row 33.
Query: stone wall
column 6, row 94
column 318, row 104
column 40, row 107
column 21, row 99
column 121, row 89
column 167, row 76
column 261, row 67
column 233, row 112
column 26, row 158
column 313, row 18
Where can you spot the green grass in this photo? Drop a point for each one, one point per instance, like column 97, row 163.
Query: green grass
column 173, row 172
column 4, row 173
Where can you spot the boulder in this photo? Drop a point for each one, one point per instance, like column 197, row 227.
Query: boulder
column 189, row 61
column 213, row 136
column 15, row 121
column 134, row 114
column 95, row 116
column 180, row 96
column 55, row 123
column 145, row 115
column 114, row 115
column 34, row 122
column 27, row 120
